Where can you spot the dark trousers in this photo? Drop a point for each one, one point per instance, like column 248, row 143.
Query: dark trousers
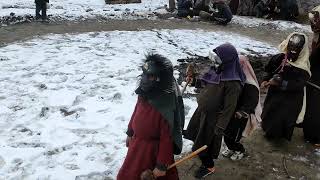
column 233, row 145
column 212, row 152
column 233, row 134
column 206, row 160
column 43, row 8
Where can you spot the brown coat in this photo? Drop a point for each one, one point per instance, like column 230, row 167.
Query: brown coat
column 216, row 106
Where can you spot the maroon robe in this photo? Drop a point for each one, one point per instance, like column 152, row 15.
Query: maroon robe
column 151, row 144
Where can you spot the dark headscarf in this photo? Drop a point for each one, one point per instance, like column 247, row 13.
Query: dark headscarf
column 231, row 66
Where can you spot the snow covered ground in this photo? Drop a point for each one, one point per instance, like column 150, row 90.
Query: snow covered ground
column 253, row 22
column 84, row 9
column 65, row 100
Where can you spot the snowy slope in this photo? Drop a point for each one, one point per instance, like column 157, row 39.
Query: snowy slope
column 84, row 9
column 94, row 75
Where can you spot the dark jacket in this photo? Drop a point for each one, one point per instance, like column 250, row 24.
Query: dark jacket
column 224, row 14
column 216, row 106
column 184, row 8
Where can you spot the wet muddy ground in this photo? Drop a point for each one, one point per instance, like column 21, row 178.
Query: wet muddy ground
column 264, row 159
column 25, row 31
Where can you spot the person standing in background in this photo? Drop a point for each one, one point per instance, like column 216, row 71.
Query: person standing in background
column 41, row 5
column 311, row 122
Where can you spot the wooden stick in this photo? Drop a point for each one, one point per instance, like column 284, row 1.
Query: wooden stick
column 188, row 157
column 313, row 85
column 148, row 174
column 285, row 167
column 185, row 86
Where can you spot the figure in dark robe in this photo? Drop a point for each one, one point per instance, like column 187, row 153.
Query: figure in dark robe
column 216, row 11
column 155, row 129
column 246, row 7
column 217, row 103
column 234, row 4
column 311, row 124
column 289, row 9
column 41, row 5
column 247, row 116
column 287, row 73
column 185, row 8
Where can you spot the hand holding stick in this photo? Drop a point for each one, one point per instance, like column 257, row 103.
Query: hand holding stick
column 148, row 174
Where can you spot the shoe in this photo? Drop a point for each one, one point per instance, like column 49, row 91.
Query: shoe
column 227, row 153
column 203, row 172
column 237, row 155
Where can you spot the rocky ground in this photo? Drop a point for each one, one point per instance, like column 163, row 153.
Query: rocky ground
column 264, row 160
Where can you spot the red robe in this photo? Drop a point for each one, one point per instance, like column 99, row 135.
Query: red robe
column 151, row 144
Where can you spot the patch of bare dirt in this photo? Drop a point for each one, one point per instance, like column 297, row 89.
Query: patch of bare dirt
column 18, row 32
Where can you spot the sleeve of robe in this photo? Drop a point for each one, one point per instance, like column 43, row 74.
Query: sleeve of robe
column 130, row 131
column 296, row 84
column 165, row 153
column 231, row 96
column 272, row 66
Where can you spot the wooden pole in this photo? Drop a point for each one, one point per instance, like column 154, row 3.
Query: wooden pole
column 188, row 157
column 185, row 86
column 313, row 85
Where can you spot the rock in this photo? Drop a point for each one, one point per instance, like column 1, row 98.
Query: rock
column 17, row 161
column 59, row 7
column 67, row 112
column 9, row 6
column 71, row 166
column 16, row 108
column 43, row 86
column 106, row 175
column 44, row 111
column 117, row 96
column 13, row 19
column 122, row 1
column 89, row 10
column 4, row 59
